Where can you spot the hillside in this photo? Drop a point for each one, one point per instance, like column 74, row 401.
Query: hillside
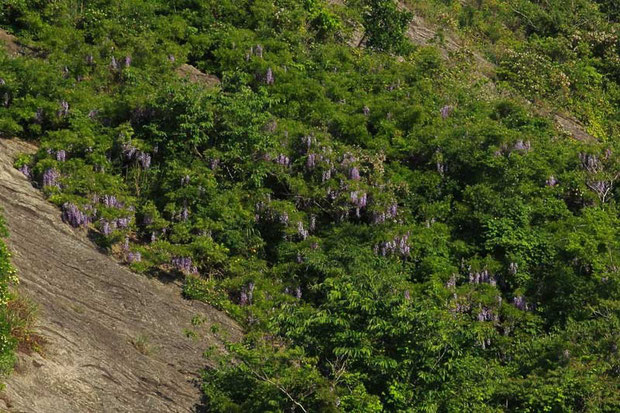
column 406, row 206
column 114, row 341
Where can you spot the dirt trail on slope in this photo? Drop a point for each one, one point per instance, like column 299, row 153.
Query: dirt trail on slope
column 116, row 340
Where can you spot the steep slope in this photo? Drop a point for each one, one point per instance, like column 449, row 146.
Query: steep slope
column 115, row 340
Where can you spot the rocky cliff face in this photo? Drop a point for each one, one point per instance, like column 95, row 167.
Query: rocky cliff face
column 116, row 341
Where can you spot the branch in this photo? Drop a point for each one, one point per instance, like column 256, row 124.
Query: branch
column 282, row 389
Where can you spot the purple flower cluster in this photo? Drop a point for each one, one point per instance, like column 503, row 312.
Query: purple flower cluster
column 107, row 227
column 127, row 61
column 381, row 217
column 522, row 146
column 111, row 202
column 486, row 314
column 397, row 246
column 134, row 257
column 446, row 111
column 303, row 233
column 50, row 177
column 130, row 153
column 184, row 264
column 482, row 277
column 72, row 215
column 354, row 173
column 520, row 303
column 246, row 295
column 283, row 218
column 307, row 141
column 184, row 214
column 294, row 292
column 311, row 161
column 64, row 108
column 283, row 160
column 113, row 63
column 513, row 268
column 327, row 175
column 269, row 78
column 25, row 169
column 61, row 155
column 359, row 200
column 451, row 283
column 551, row 181
column 459, row 306
column 591, row 163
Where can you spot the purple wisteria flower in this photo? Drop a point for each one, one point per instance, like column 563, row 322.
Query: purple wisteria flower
column 307, row 141
column 25, row 169
column 111, row 201
column 522, row 146
column 513, row 268
column 184, row 214
column 144, row 159
column 551, row 181
column 283, row 160
column 303, row 233
column 354, row 174
column 520, row 303
column 64, row 108
column 50, row 177
column 122, row 222
column 127, row 61
column 61, row 155
column 327, row 175
column 446, row 111
column 269, row 78
column 311, row 161
column 482, row 277
column 283, row 218
column 399, row 245
column 184, row 264
column 134, row 257
column 72, row 215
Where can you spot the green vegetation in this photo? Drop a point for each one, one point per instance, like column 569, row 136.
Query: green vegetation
column 398, row 228
column 8, row 341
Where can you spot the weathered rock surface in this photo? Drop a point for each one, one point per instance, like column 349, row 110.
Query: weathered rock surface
column 116, row 340
column 196, row 76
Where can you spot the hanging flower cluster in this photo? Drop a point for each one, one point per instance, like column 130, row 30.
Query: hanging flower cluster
column 184, row 264
column 399, row 245
column 72, row 215
column 50, row 177
column 131, row 153
column 482, row 277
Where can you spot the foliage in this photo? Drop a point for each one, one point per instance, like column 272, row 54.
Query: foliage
column 390, row 230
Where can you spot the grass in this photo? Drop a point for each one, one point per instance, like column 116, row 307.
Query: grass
column 22, row 315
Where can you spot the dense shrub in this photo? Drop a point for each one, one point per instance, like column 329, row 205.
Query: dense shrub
column 387, row 230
